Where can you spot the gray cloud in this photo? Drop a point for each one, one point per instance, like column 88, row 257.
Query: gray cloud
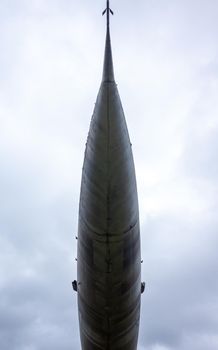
column 182, row 289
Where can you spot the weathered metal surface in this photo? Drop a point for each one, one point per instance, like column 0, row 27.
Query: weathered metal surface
column 109, row 258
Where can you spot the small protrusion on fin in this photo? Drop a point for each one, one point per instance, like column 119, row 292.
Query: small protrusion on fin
column 74, row 285
column 142, row 287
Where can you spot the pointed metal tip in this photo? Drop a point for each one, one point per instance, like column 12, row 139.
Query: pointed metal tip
column 108, row 70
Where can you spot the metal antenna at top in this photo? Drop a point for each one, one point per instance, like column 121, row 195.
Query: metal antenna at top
column 108, row 10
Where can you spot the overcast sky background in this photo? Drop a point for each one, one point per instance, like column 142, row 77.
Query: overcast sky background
column 166, row 66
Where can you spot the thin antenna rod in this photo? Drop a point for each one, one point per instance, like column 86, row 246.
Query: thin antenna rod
column 108, row 70
column 108, row 11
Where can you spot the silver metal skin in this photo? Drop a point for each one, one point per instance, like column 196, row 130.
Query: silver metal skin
column 109, row 258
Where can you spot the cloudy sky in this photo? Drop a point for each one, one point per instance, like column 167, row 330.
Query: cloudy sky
column 166, row 66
